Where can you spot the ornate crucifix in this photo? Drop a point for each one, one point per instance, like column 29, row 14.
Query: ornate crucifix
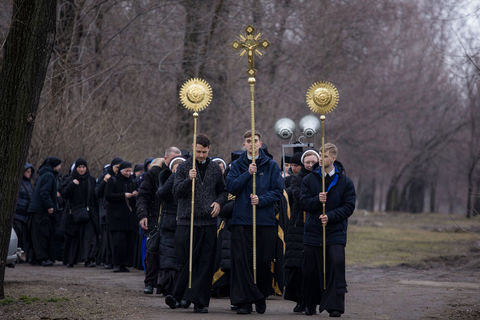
column 251, row 45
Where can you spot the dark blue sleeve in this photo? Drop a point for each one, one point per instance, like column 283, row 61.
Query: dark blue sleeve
column 236, row 180
column 308, row 198
column 276, row 187
column 348, row 205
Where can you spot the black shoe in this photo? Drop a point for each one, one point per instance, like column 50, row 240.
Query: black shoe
column 70, row 265
column 244, row 308
column 335, row 314
column 107, row 266
column 172, row 302
column 233, row 307
column 185, row 303
column 198, row 308
column 47, row 263
column 300, row 307
column 148, row 289
column 260, row 306
column 159, row 291
column 310, row 310
column 120, row 269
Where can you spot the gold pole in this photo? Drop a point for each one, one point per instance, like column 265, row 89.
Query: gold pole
column 322, row 121
column 251, row 81
column 251, row 44
column 192, row 212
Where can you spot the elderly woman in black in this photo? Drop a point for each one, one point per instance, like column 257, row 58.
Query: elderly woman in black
column 120, row 195
column 80, row 231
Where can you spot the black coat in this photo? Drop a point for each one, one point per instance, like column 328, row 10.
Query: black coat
column 148, row 204
column 168, row 221
column 120, row 211
column 294, row 236
column 45, row 191
column 207, row 190
column 81, row 195
column 24, row 196
column 339, row 206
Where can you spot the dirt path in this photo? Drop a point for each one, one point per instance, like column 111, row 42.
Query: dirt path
column 437, row 292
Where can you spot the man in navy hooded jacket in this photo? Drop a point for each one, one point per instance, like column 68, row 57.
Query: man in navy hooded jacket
column 339, row 197
column 269, row 189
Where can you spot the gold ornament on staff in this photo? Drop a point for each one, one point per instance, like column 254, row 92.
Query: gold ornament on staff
column 251, row 44
column 322, row 97
column 195, row 95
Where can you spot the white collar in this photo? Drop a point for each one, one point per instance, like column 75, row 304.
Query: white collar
column 331, row 173
column 250, row 157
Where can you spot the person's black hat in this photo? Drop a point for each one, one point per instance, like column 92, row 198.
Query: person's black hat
column 123, row 165
column 115, row 161
column 297, row 158
column 138, row 167
column 81, row 162
column 53, row 161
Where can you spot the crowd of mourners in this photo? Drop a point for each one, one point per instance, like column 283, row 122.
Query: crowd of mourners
column 139, row 216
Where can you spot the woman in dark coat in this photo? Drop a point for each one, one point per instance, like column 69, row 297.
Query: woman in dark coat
column 105, row 250
column 120, row 195
column 168, row 265
column 20, row 220
column 80, row 236
column 42, row 207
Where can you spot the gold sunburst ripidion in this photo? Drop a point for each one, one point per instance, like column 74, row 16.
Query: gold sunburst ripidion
column 195, row 94
column 322, row 97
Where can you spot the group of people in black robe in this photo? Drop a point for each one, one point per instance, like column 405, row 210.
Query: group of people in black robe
column 128, row 218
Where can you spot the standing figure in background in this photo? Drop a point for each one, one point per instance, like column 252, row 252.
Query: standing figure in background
column 21, row 217
column 120, row 195
column 42, row 207
column 105, row 249
column 80, row 234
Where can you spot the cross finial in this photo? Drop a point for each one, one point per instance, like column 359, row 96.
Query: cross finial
column 250, row 44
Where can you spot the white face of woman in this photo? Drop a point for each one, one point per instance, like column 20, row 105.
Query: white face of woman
column 81, row 169
column 309, row 161
column 127, row 172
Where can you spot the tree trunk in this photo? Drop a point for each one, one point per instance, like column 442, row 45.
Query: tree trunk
column 392, row 200
column 366, row 193
column 27, row 53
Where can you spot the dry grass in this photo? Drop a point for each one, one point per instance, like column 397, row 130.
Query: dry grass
column 379, row 239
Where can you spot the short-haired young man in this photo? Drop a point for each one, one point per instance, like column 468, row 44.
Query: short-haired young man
column 269, row 189
column 210, row 195
column 340, row 204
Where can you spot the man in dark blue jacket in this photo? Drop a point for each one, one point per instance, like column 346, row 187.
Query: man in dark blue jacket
column 269, row 189
column 339, row 197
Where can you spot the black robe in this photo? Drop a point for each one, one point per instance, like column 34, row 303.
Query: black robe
column 80, row 238
column 121, row 219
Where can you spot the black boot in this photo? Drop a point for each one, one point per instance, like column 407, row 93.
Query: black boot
column 244, row 308
column 300, row 307
column 185, row 303
column 260, row 306
column 335, row 314
column 310, row 310
column 198, row 308
column 172, row 302
column 148, row 289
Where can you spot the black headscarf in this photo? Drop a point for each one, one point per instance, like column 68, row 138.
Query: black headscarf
column 124, row 164
column 52, row 162
column 80, row 162
column 115, row 161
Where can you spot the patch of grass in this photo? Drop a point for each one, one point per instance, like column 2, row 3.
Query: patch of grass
column 380, row 240
column 28, row 300
column 6, row 301
column 60, row 299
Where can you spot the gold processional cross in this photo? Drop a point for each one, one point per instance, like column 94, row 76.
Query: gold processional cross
column 250, row 44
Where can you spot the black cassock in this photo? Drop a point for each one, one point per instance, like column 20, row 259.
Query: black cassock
column 204, row 243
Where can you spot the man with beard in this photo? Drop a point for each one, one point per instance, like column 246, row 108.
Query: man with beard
column 210, row 195
column 148, row 209
column 339, row 198
column 269, row 184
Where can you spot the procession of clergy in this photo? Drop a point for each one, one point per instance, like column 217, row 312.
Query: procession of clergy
column 103, row 217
